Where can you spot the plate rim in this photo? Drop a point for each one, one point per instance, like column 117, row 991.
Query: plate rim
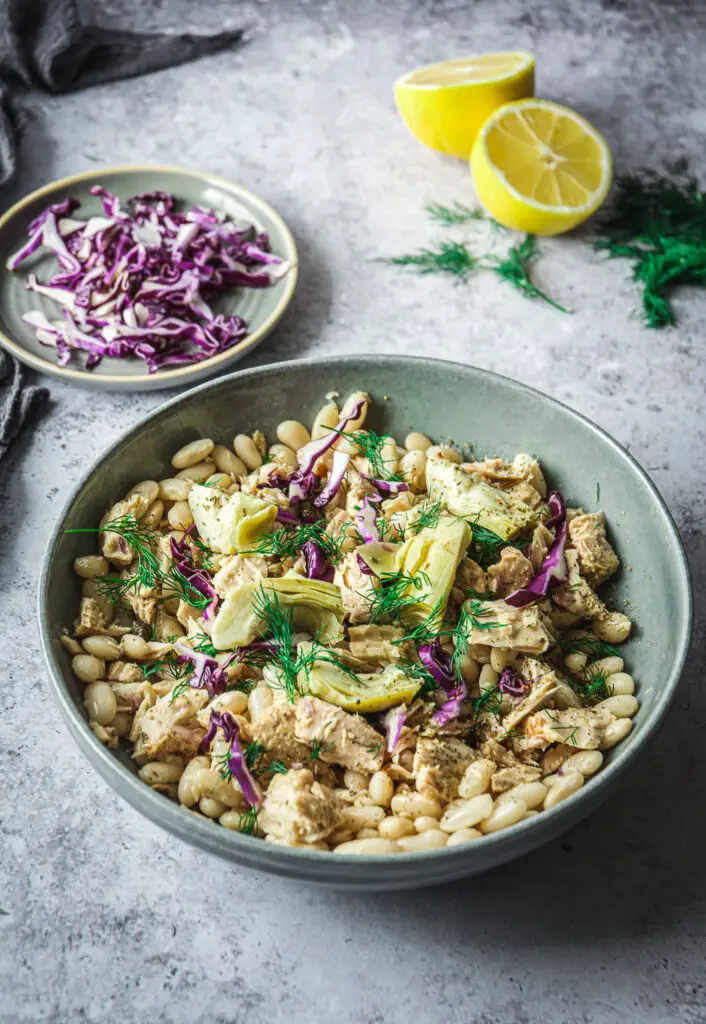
column 175, row 377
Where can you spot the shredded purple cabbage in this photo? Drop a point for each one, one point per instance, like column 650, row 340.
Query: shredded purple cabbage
column 438, row 663
column 286, row 517
column 312, row 451
column 554, row 568
column 366, row 521
column 388, row 486
column 394, row 720
column 339, row 465
column 199, row 579
column 317, row 568
column 364, row 567
column 451, row 709
column 302, row 487
column 512, row 683
column 208, row 674
column 140, row 283
column 236, row 758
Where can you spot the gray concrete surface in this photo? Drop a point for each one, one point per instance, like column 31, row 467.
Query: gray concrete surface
column 104, row 918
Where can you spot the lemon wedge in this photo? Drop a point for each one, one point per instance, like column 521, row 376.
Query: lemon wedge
column 540, row 167
column 444, row 105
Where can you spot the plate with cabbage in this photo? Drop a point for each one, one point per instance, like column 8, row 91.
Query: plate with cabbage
column 141, row 278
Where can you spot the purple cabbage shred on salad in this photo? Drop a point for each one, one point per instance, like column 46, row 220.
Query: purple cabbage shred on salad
column 317, row 568
column 394, row 720
column 554, row 568
column 512, row 683
column 141, row 282
column 208, row 674
column 199, row 579
column 236, row 761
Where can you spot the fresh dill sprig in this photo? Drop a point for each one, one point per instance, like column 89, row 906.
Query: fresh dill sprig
column 204, row 645
column 416, row 670
column 247, row 823
column 318, row 747
column 206, row 562
column 456, row 214
column 485, row 546
column 279, row 631
column 591, row 646
column 453, row 258
column 371, row 445
column 395, row 591
column 426, row 516
column 287, row 542
column 514, row 268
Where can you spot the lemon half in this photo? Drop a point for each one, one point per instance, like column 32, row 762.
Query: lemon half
column 444, row 105
column 540, row 167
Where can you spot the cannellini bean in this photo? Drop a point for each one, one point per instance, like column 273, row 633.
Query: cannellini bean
column 174, row 489
column 423, row 823
column 434, row 839
column 529, row 814
column 325, row 420
column 488, row 678
column 368, row 833
column 259, row 700
column 587, row 762
column 154, row 514
column 622, row 705
column 412, row 468
column 147, row 489
column 104, row 648
column 246, row 450
column 615, row 732
column 614, row 629
column 89, row 566
column 220, row 480
column 416, row 442
column 357, row 818
column 189, row 791
column 366, row 846
column 293, row 433
column 134, row 646
column 570, row 782
column 395, row 828
column 210, row 807
column 605, row 666
column 381, row 788
column 283, row 453
column 179, row 516
column 198, row 473
column 464, row 835
column 576, row 662
column 193, row 452
column 476, row 778
column 227, row 461
column 467, row 814
column 389, row 456
column 88, row 668
column 71, row 645
column 469, row 669
column 533, row 794
column 414, row 805
column 160, row 773
column 231, row 820
column 620, row 683
column 100, row 703
column 502, row 657
column 444, row 451
column 355, row 781
column 504, row 815
column 234, row 701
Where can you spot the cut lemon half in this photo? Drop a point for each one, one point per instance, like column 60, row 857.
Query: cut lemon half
column 540, row 167
column 444, row 105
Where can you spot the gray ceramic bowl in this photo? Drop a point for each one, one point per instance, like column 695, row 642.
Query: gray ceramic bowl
column 444, row 400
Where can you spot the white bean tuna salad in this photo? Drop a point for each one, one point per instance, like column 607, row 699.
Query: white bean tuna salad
column 337, row 643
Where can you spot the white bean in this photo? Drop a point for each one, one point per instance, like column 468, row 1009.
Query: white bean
column 100, row 703
column 444, row 451
column 325, row 420
column 220, row 480
column 621, row 684
column 395, row 828
column 615, row 732
column 259, row 700
column 468, row 813
column 210, row 807
column 89, row 566
column 502, row 657
column 71, row 645
column 174, row 489
column 197, row 474
column 134, row 646
column 416, row 442
column 105, row 648
column 414, row 805
column 160, row 773
column 488, row 677
column 533, row 794
column 464, row 835
column 366, row 846
column 622, row 705
column 614, row 629
column 179, row 516
column 246, row 450
column 381, row 788
column 234, row 701
column 228, row 462
column 576, row 662
column 476, row 778
column 293, row 433
column 504, row 815
column 587, row 762
column 412, row 468
column 605, row 666
column 434, row 839
column 570, row 782
column 88, row 668
column 283, row 453
column 357, row 818
column 189, row 791
column 355, row 782
column 193, row 452
column 154, row 514
column 469, row 669
column 147, row 489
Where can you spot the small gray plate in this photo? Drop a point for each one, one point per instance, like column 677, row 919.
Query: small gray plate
column 261, row 308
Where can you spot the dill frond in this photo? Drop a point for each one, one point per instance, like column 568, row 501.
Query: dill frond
column 514, row 268
column 453, row 258
column 456, row 214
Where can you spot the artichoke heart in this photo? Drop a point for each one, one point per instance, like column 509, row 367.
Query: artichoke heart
column 363, row 693
column 430, row 559
column 314, row 607
column 468, row 495
column 229, row 523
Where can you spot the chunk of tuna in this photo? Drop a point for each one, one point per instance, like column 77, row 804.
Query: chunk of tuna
column 597, row 559
column 512, row 572
column 298, row 809
column 169, row 726
column 439, row 765
column 340, row 737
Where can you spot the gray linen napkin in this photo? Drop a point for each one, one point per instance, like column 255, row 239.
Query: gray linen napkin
column 20, row 402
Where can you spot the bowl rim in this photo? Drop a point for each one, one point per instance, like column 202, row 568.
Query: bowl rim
column 179, row 376
column 291, row 861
